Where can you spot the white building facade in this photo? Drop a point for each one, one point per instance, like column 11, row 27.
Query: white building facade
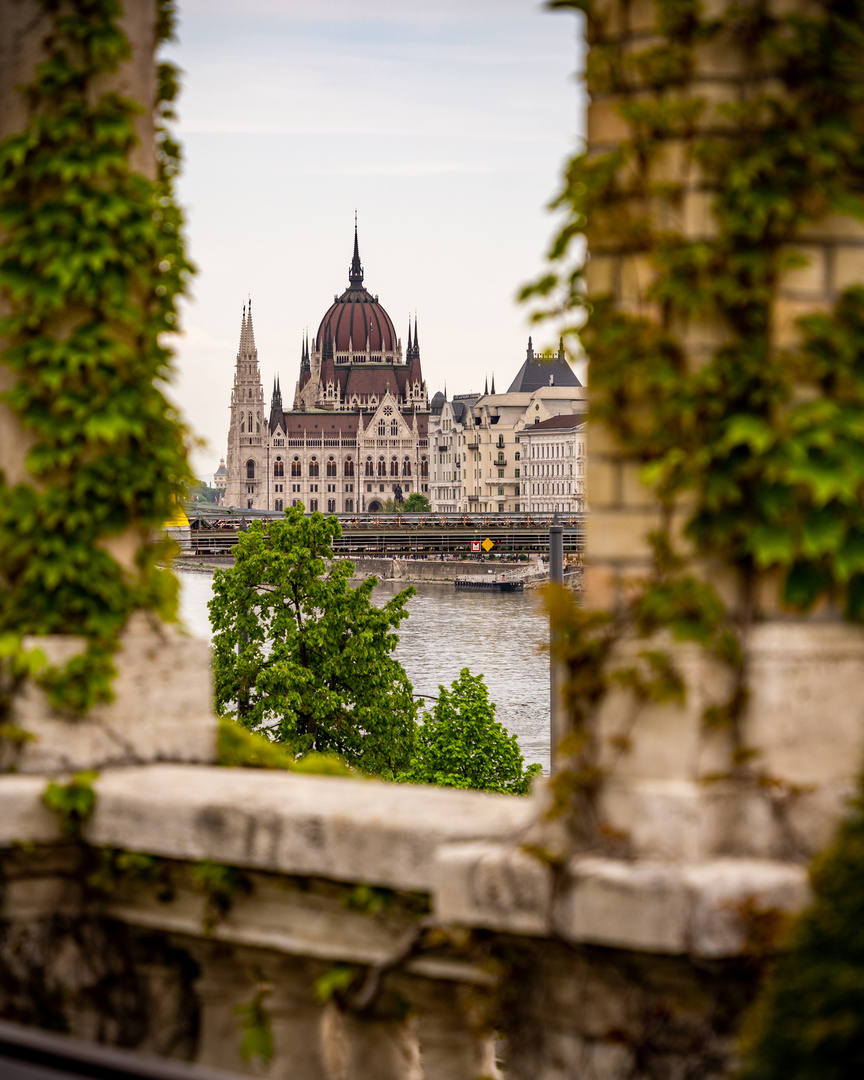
column 553, row 465
column 478, row 461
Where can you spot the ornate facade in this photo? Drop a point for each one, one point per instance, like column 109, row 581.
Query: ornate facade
column 358, row 428
column 478, row 462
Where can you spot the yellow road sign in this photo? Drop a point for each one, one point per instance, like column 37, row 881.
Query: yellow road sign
column 488, row 545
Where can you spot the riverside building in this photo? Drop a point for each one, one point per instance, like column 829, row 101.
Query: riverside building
column 475, row 440
column 358, row 427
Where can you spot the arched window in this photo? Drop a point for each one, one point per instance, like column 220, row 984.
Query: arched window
column 278, row 467
column 382, row 467
column 249, row 421
column 242, row 422
column 370, row 471
column 295, row 467
column 382, row 427
column 424, row 469
column 349, row 467
column 394, row 467
column 279, row 504
column 331, row 467
column 250, row 469
column 313, row 467
column 394, row 427
column 406, row 467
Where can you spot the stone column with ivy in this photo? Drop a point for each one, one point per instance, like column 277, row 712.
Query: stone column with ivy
column 714, row 671
column 91, row 455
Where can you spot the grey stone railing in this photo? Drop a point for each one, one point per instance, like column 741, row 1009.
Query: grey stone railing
column 483, row 942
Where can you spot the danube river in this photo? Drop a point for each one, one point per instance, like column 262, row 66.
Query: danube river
column 496, row 634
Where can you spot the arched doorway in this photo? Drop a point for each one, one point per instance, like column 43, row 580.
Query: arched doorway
column 374, row 507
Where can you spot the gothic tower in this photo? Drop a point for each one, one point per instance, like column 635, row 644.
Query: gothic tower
column 247, row 435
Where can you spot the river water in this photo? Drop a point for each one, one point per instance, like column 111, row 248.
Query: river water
column 498, row 635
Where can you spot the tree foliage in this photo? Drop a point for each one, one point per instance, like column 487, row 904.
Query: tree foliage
column 417, row 504
column 461, row 744
column 305, row 657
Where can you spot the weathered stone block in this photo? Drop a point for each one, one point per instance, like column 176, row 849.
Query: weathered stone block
column 637, row 905
column 848, row 267
column 728, row 894
column 603, row 481
column 620, row 534
column 324, row 826
column 162, row 708
column 811, row 279
column 492, row 885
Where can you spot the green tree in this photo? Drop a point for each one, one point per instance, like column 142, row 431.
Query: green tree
column 417, row 504
column 304, row 657
column 461, row 744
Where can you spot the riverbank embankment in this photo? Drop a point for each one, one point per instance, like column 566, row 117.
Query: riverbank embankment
column 406, row 570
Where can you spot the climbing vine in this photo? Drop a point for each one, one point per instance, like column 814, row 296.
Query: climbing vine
column 752, row 445
column 91, row 266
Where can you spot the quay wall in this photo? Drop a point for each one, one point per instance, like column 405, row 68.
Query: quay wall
column 386, row 569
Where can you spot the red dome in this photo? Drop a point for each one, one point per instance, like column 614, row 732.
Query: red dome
column 356, row 319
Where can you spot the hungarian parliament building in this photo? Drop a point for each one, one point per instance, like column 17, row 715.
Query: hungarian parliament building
column 361, row 428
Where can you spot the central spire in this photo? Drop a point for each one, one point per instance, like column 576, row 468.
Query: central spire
column 355, row 274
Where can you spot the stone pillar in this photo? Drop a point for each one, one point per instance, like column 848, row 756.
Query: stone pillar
column 454, row 1042
column 301, row 1029
column 801, row 726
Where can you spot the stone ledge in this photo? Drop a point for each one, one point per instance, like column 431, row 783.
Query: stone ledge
column 697, row 909
column 162, row 708
column 320, row 826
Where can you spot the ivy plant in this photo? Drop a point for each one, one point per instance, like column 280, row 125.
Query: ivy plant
column 91, row 267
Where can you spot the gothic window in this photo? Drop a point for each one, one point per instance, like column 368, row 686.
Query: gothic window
column 394, row 427
column 382, row 427
column 313, row 504
column 349, row 505
column 349, row 467
column 331, row 506
column 279, row 504
column 394, row 467
column 424, row 469
column 242, row 423
column 369, row 469
column 313, row 467
column 250, row 391
column 279, row 467
column 295, row 467
column 388, row 410
column 250, row 469
column 331, row 467
column 406, row 467
column 382, row 467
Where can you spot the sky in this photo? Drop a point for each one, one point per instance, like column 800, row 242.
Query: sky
column 444, row 124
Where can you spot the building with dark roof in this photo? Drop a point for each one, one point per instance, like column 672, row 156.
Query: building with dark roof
column 477, row 460
column 357, row 432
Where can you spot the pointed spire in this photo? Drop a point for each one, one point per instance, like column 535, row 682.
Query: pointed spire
column 530, row 354
column 493, row 382
column 416, row 339
column 561, row 347
column 486, row 390
column 240, row 348
column 409, row 354
column 355, row 274
column 276, row 400
column 250, row 333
